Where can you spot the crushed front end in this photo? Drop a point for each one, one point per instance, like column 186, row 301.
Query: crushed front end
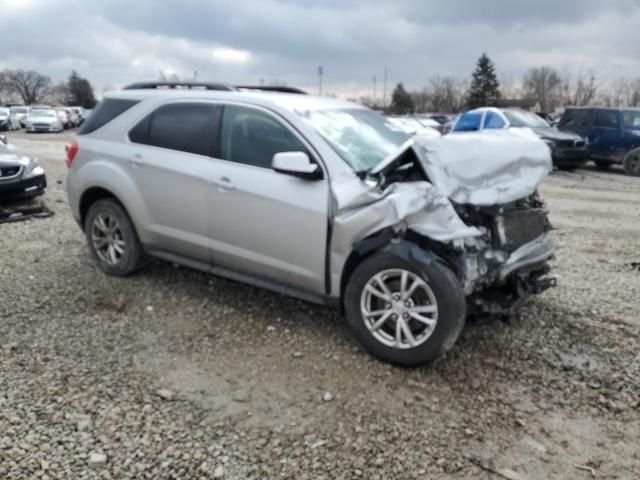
column 509, row 262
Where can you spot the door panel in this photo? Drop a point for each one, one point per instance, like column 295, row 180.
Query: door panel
column 262, row 222
column 170, row 161
column 604, row 137
column 175, row 187
column 269, row 224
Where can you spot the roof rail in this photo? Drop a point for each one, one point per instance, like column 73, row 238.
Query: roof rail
column 185, row 85
column 272, row 89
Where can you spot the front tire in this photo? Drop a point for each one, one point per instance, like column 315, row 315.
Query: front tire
column 402, row 313
column 112, row 239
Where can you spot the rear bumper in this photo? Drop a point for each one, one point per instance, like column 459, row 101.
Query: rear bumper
column 23, row 187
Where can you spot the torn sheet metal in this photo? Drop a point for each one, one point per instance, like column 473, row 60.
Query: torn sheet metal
column 485, row 168
column 363, row 209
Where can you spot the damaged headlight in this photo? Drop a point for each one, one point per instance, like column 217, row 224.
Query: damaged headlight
column 551, row 144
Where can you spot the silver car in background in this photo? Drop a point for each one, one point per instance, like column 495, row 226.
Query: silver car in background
column 43, row 120
column 20, row 113
column 316, row 198
column 8, row 121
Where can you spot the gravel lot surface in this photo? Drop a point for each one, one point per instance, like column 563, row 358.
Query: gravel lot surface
column 176, row 374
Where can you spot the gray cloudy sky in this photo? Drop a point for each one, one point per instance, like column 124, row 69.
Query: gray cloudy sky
column 115, row 42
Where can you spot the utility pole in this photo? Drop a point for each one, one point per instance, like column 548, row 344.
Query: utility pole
column 373, row 100
column 320, row 73
column 384, row 95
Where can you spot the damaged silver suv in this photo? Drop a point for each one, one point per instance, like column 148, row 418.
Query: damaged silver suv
column 319, row 199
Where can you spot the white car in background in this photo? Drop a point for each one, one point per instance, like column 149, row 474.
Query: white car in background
column 413, row 127
column 45, row 120
column 8, row 122
column 21, row 113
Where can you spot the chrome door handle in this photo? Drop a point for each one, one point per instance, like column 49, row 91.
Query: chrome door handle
column 224, row 183
column 136, row 160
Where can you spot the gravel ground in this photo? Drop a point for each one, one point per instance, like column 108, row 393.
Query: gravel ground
column 176, row 374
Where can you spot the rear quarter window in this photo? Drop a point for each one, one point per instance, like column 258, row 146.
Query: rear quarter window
column 105, row 111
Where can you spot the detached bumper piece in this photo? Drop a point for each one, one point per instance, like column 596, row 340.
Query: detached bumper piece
column 18, row 213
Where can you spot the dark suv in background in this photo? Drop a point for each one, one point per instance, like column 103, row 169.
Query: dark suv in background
column 613, row 134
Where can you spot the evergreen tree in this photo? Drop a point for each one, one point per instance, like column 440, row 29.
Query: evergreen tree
column 485, row 87
column 80, row 92
column 401, row 101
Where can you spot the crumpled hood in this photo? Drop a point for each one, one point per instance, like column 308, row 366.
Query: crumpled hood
column 485, row 168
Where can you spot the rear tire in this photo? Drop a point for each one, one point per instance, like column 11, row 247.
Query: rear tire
column 632, row 163
column 439, row 291
column 112, row 239
column 567, row 168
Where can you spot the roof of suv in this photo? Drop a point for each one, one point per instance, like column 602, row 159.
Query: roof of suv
column 290, row 101
column 633, row 109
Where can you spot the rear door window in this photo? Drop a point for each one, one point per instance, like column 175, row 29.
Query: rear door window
column 185, row 127
column 576, row 118
column 631, row 119
column 253, row 137
column 105, row 111
column 606, row 119
column 493, row 120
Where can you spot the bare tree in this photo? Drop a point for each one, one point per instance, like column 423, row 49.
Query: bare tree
column 623, row 92
column 58, row 94
column 447, row 94
column 30, row 85
column 583, row 92
column 633, row 99
column 543, row 84
column 508, row 87
column 422, row 100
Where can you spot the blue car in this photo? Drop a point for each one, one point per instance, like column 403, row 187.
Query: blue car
column 613, row 134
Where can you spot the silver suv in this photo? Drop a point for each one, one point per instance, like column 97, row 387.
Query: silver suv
column 320, row 199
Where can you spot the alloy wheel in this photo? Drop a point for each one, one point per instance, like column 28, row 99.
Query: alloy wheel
column 107, row 239
column 399, row 308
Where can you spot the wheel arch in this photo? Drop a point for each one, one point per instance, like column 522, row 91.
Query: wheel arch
column 386, row 240
column 91, row 196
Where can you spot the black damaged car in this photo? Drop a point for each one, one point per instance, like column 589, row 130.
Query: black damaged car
column 20, row 175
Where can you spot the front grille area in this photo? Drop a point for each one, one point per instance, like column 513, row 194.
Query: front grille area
column 41, row 125
column 8, row 172
column 564, row 144
column 514, row 228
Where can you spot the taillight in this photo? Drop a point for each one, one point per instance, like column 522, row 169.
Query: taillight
column 72, row 149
